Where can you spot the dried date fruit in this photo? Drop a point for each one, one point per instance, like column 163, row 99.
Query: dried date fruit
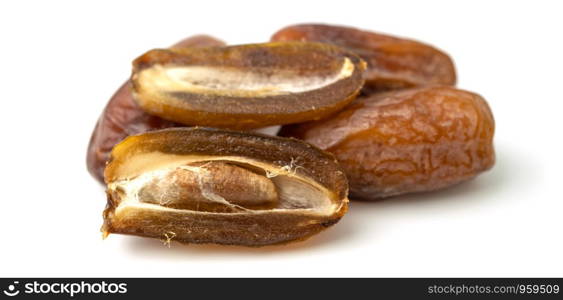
column 247, row 86
column 201, row 40
column 406, row 141
column 201, row 185
column 393, row 63
column 122, row 117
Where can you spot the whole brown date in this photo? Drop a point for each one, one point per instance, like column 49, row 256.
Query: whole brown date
column 123, row 117
column 406, row 141
column 393, row 63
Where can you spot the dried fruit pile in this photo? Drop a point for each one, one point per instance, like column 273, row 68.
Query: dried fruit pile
column 362, row 114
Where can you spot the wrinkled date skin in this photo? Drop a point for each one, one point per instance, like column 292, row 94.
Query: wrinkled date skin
column 406, row 141
column 123, row 117
column 393, row 63
column 201, row 185
column 247, row 86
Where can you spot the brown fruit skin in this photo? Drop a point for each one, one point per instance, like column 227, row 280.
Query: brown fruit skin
column 393, row 63
column 123, row 117
column 201, row 40
column 255, row 111
column 406, row 141
column 251, row 229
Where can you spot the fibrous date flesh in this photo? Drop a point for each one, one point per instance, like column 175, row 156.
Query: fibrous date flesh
column 122, row 117
column 392, row 62
column 406, row 141
column 247, row 86
column 198, row 185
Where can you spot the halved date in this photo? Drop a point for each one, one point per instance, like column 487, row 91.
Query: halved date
column 122, row 117
column 393, row 63
column 199, row 185
column 406, row 141
column 247, row 86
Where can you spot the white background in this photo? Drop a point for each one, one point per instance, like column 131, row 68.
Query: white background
column 61, row 62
